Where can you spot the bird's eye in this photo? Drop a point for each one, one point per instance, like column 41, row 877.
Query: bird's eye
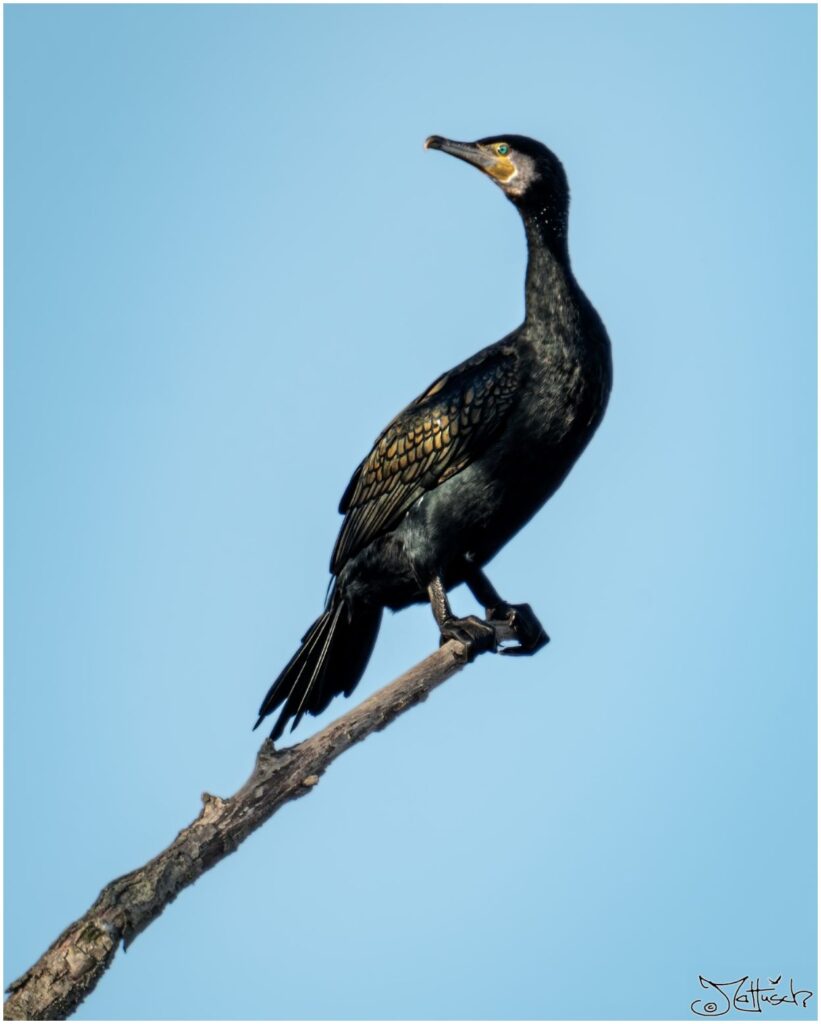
column 503, row 149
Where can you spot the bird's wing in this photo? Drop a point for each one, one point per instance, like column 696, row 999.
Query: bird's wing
column 436, row 436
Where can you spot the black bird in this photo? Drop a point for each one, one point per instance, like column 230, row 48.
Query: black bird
column 467, row 463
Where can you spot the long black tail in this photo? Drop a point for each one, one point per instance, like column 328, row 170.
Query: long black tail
column 331, row 660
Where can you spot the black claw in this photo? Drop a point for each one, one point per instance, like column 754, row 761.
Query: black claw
column 473, row 634
column 529, row 631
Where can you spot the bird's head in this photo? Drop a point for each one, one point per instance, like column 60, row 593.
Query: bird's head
column 524, row 169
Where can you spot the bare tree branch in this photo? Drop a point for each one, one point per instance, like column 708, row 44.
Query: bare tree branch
column 68, row 971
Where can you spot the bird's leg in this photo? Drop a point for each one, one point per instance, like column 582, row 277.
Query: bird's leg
column 520, row 617
column 474, row 634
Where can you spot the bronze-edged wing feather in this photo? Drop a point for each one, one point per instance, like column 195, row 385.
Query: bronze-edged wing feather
column 436, row 436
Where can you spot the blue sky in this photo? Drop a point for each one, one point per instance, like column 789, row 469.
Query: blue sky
column 229, row 262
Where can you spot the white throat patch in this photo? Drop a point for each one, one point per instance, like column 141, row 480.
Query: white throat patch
column 524, row 175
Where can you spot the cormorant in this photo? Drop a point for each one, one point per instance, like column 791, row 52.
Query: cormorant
column 468, row 462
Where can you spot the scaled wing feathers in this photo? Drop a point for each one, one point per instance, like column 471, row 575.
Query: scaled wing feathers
column 436, row 436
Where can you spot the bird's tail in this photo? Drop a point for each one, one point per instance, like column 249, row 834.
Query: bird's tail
column 331, row 660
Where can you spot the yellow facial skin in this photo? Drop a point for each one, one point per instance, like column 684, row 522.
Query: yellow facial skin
column 504, row 168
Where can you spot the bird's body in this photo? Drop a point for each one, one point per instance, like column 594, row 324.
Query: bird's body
column 460, row 470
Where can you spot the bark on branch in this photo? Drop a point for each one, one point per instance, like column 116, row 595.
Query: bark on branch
column 68, row 971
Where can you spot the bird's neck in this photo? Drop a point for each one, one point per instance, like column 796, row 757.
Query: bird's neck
column 549, row 283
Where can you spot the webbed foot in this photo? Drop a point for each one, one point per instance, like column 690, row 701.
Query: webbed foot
column 522, row 620
column 474, row 634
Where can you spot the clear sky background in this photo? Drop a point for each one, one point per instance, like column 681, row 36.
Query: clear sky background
column 229, row 262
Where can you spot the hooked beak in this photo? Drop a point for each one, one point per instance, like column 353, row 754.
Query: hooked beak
column 470, row 152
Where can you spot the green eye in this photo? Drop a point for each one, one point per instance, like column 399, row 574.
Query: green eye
column 503, row 149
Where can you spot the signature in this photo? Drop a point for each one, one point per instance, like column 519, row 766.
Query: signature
column 747, row 995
